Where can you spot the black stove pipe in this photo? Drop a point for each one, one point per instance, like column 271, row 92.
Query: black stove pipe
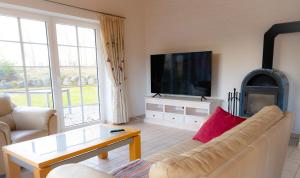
column 269, row 38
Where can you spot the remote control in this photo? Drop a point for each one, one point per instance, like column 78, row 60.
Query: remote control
column 117, row 130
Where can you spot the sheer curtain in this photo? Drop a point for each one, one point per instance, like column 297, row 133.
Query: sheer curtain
column 112, row 37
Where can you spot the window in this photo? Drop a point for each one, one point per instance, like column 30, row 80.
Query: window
column 78, row 69
column 24, row 62
column 28, row 59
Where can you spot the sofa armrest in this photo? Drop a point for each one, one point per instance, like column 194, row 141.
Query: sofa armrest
column 5, row 134
column 76, row 171
column 52, row 125
column 32, row 118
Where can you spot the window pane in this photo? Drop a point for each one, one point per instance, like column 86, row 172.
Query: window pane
column 70, row 84
column 38, row 77
column 86, row 37
column 73, row 116
column 39, row 86
column 89, row 83
column 90, row 95
column 36, row 55
column 71, row 95
column 68, row 56
column 10, row 53
column 11, row 78
column 9, row 28
column 12, row 83
column 33, row 31
column 18, row 97
column 88, row 57
column 91, row 113
column 66, row 35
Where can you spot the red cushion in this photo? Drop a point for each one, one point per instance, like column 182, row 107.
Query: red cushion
column 218, row 123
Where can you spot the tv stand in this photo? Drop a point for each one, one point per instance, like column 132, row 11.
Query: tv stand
column 180, row 112
column 157, row 94
column 203, row 98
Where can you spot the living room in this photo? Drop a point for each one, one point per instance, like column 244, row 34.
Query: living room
column 56, row 55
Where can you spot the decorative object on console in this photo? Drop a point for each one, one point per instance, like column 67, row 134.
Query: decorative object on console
column 233, row 102
column 267, row 86
column 218, row 123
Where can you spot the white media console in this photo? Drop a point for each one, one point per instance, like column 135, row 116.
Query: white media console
column 180, row 112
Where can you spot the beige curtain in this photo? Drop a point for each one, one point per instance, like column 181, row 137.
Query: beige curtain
column 112, row 33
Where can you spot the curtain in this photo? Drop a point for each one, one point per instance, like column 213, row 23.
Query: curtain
column 112, row 34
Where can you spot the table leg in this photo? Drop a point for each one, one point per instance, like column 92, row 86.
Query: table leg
column 12, row 169
column 135, row 148
column 41, row 173
column 103, row 155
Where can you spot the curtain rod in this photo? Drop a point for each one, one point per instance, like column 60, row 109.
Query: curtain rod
column 84, row 9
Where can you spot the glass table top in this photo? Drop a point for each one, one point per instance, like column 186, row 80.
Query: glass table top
column 59, row 144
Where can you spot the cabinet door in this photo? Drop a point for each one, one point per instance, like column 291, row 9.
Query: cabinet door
column 174, row 118
column 154, row 115
column 194, row 121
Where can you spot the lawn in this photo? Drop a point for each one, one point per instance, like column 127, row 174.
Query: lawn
column 90, row 94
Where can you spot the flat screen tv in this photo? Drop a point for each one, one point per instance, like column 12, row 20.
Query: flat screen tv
column 182, row 73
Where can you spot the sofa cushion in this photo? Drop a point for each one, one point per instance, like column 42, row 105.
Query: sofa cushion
column 218, row 123
column 8, row 119
column 24, row 135
column 5, row 105
column 173, row 151
column 202, row 161
column 27, row 118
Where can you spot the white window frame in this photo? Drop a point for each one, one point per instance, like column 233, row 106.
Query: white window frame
column 51, row 20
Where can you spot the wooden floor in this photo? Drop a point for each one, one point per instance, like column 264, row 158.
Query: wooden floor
column 156, row 138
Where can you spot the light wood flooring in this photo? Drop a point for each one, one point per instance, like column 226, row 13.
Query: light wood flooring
column 156, row 138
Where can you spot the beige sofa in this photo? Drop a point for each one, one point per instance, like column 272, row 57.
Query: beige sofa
column 18, row 124
column 254, row 149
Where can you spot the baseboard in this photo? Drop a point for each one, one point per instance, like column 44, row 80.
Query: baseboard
column 137, row 118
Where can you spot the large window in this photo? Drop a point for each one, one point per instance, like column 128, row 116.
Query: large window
column 78, row 61
column 24, row 62
column 28, row 58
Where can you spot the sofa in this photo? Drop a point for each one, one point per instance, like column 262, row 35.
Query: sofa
column 19, row 124
column 255, row 148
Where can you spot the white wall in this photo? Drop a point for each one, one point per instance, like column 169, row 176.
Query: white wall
column 233, row 30
column 134, row 37
column 287, row 59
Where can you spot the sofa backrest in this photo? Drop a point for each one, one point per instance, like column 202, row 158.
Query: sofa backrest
column 206, row 160
column 5, row 111
column 5, row 105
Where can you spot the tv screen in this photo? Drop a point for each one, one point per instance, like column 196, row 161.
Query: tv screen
column 182, row 73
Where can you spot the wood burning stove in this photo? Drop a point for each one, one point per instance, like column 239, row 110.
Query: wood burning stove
column 263, row 87
column 267, row 86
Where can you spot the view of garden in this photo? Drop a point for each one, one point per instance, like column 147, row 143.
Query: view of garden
column 12, row 82
column 25, row 73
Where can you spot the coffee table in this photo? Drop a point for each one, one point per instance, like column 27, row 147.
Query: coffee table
column 43, row 154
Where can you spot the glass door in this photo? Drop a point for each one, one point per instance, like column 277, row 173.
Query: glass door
column 24, row 62
column 77, row 55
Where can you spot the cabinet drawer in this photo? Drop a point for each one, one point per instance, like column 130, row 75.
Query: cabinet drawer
column 194, row 121
column 175, row 118
column 154, row 115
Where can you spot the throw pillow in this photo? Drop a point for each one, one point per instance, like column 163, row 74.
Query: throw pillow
column 218, row 123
